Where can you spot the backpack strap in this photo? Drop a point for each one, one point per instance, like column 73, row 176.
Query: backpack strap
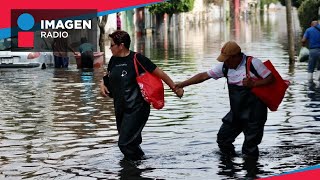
column 250, row 68
column 316, row 28
column 225, row 70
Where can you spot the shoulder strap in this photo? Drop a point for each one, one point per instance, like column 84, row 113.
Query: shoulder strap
column 225, row 70
column 316, row 28
column 250, row 67
column 135, row 61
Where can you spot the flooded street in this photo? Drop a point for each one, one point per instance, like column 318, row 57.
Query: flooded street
column 55, row 125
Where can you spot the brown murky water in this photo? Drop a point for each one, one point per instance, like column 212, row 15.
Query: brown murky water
column 55, row 125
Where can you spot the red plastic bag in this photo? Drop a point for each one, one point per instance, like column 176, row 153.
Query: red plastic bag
column 151, row 86
column 271, row 94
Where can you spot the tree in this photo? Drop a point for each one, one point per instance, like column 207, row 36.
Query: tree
column 101, row 24
column 171, row 7
column 307, row 12
column 268, row 2
column 295, row 3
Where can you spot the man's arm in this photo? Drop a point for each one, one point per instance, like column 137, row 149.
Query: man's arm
column 250, row 83
column 304, row 41
column 198, row 78
column 162, row 75
column 305, row 38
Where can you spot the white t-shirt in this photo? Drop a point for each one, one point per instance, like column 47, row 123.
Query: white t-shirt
column 235, row 76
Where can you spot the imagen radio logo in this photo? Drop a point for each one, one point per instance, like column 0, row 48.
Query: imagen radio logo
column 25, row 37
column 35, row 27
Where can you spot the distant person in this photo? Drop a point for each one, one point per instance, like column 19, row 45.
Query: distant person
column 86, row 49
column 131, row 110
column 312, row 36
column 248, row 113
column 118, row 21
column 60, row 48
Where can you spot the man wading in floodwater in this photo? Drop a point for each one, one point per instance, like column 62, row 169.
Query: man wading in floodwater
column 248, row 113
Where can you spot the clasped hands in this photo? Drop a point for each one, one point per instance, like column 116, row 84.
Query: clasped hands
column 178, row 90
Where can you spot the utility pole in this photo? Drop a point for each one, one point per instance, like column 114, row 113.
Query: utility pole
column 290, row 32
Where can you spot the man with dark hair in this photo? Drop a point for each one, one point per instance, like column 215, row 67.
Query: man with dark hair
column 131, row 110
column 312, row 36
column 86, row 50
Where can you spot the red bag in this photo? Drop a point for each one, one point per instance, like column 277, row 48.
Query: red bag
column 271, row 94
column 150, row 85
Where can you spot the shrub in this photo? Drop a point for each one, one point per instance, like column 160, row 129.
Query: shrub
column 172, row 6
column 307, row 12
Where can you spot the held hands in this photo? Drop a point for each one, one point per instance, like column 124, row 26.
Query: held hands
column 178, row 91
column 178, row 85
column 248, row 82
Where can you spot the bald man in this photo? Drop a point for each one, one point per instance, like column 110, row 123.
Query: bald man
column 312, row 36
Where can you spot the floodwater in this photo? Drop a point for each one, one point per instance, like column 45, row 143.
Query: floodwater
column 55, row 125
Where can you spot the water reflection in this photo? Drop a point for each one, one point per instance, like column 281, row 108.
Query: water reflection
column 55, row 124
column 251, row 167
column 130, row 170
column 236, row 167
column 314, row 95
column 228, row 167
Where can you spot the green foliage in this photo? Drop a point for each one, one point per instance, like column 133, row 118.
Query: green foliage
column 172, row 6
column 295, row 3
column 307, row 12
column 216, row 2
column 268, row 2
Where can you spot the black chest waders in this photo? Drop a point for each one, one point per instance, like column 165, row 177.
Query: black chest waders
column 247, row 114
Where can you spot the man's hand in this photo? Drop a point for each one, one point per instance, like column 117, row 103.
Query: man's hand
column 248, row 82
column 179, row 92
column 178, row 85
column 103, row 89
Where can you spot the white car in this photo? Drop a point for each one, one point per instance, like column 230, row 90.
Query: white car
column 14, row 59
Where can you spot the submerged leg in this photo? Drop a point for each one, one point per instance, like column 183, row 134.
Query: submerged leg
column 130, row 132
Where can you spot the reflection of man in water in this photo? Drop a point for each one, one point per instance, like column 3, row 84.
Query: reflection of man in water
column 130, row 170
column 60, row 47
column 229, row 167
column 86, row 50
column 313, row 92
column 312, row 36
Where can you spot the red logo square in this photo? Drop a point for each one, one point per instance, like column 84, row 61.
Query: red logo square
column 25, row 39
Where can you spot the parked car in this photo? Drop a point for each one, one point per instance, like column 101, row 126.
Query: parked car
column 22, row 59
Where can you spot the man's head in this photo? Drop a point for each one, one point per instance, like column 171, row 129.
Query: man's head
column 314, row 23
column 230, row 54
column 121, row 37
column 120, row 42
column 228, row 50
column 83, row 40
